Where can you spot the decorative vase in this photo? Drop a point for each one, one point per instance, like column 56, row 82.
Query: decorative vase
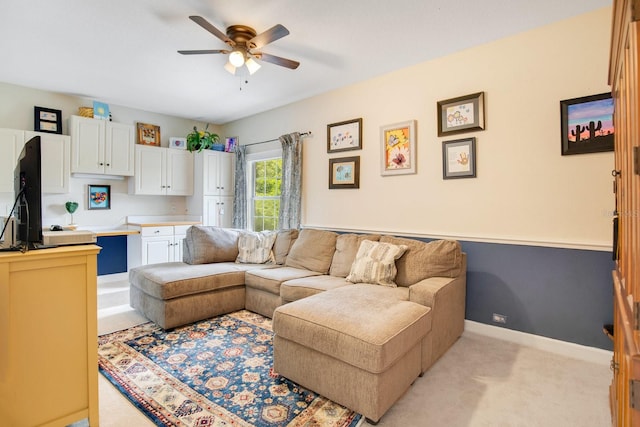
column 71, row 207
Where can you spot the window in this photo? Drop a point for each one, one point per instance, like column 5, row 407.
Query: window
column 265, row 195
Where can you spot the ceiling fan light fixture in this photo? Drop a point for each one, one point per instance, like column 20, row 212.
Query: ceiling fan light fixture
column 236, row 58
column 230, row 68
column 252, row 65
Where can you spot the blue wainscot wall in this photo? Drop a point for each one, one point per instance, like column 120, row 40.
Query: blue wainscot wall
column 565, row 294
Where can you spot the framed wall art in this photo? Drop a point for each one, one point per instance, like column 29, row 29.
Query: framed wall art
column 47, row 120
column 148, row 134
column 459, row 158
column 587, row 124
column 179, row 143
column 344, row 172
column 99, row 197
column 398, row 145
column 461, row 114
column 230, row 144
column 344, row 136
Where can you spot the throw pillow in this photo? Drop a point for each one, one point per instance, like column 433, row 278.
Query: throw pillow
column 312, row 250
column 375, row 263
column 255, row 248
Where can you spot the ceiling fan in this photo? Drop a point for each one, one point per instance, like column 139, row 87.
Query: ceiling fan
column 243, row 41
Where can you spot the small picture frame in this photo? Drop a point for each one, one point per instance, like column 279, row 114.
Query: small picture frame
column 344, row 172
column 99, row 197
column 100, row 110
column 230, row 144
column 344, row 136
column 148, row 134
column 179, row 143
column 459, row 158
column 461, row 114
column 47, row 120
column 398, row 145
column 587, row 124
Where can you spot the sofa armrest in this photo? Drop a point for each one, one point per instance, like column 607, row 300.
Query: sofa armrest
column 446, row 298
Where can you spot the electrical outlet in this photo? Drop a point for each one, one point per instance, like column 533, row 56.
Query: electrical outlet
column 499, row 318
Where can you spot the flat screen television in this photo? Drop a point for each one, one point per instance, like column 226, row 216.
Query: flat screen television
column 27, row 186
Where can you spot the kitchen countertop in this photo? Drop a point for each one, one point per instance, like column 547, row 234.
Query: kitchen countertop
column 162, row 220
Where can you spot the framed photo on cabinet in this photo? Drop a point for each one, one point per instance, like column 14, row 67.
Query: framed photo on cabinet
column 47, row 120
column 148, row 134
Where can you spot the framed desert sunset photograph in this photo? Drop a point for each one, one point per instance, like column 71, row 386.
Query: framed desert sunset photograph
column 587, row 124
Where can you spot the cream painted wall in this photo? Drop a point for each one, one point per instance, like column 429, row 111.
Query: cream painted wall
column 525, row 191
column 16, row 112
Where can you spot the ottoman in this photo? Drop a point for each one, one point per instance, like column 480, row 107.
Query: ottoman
column 175, row 294
column 358, row 345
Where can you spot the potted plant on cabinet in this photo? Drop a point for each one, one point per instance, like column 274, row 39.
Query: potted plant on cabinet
column 199, row 140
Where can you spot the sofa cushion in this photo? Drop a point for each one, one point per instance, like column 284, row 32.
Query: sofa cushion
column 366, row 326
column 282, row 245
column 438, row 258
column 375, row 263
column 255, row 248
column 176, row 279
column 293, row 290
column 347, row 246
column 312, row 250
column 269, row 279
column 204, row 245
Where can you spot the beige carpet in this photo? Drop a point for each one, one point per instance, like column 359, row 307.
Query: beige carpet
column 480, row 382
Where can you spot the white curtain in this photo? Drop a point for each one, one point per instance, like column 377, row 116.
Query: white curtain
column 291, row 192
column 240, row 197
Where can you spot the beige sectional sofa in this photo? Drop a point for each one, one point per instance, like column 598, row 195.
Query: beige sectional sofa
column 356, row 318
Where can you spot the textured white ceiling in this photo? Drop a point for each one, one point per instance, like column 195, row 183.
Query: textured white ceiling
column 123, row 52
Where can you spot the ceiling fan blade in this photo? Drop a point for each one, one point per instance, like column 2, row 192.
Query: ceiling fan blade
column 213, row 30
column 272, row 34
column 283, row 62
column 201, row 52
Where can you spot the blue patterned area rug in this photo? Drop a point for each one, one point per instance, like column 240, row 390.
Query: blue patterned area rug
column 216, row 372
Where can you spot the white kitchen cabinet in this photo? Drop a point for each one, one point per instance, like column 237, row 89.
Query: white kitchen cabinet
column 11, row 143
column 156, row 244
column 55, row 155
column 162, row 171
column 217, row 172
column 218, row 211
column 55, row 161
column 214, row 185
column 101, row 147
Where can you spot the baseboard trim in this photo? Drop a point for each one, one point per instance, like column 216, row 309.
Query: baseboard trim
column 564, row 348
column 116, row 277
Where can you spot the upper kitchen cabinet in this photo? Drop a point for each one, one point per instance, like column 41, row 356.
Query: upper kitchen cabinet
column 101, row 147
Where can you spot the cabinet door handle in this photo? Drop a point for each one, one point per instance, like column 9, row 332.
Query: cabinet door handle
column 108, row 164
column 101, row 164
column 157, row 231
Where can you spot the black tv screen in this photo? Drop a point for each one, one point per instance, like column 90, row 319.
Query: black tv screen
column 27, row 187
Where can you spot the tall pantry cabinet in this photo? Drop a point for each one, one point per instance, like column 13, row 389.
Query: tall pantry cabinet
column 213, row 188
column 624, row 80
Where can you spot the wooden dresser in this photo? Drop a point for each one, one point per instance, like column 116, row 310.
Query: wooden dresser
column 48, row 337
column 625, row 83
